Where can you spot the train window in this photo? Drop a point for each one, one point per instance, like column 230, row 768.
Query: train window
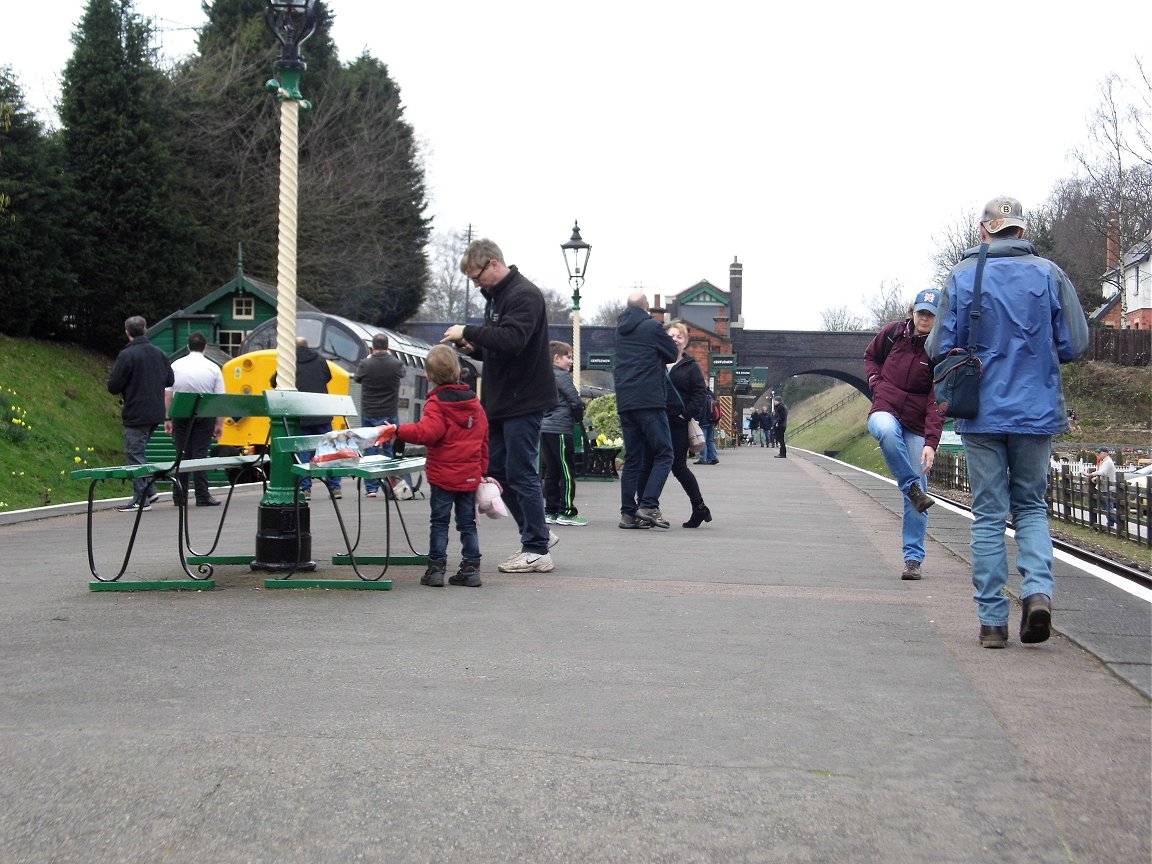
column 342, row 344
column 421, row 387
column 309, row 328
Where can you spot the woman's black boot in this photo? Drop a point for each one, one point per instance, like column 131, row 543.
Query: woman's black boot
column 700, row 513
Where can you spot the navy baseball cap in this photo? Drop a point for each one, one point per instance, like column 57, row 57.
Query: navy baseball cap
column 926, row 301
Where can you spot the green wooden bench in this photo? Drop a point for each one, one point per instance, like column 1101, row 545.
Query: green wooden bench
column 380, row 467
column 184, row 405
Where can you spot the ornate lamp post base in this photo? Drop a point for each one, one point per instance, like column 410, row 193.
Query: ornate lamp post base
column 284, row 538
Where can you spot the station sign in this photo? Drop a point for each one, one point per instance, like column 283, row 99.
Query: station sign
column 599, row 361
column 722, row 361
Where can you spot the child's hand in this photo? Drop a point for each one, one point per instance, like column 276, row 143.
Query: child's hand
column 386, row 433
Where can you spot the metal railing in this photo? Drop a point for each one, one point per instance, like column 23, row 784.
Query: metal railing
column 1072, row 498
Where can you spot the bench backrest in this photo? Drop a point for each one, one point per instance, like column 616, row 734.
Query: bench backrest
column 217, row 405
column 294, row 403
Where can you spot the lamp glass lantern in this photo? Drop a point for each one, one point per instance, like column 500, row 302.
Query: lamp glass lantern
column 292, row 21
column 576, row 253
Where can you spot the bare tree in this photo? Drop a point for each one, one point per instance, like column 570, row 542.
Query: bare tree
column 608, row 312
column 841, row 318
column 958, row 237
column 557, row 305
column 448, row 289
column 890, row 303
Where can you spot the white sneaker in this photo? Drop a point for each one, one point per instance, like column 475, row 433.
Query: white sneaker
column 552, row 539
column 528, row 562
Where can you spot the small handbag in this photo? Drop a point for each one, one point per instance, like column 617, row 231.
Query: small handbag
column 956, row 379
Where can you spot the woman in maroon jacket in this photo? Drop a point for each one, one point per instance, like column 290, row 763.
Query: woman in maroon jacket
column 904, row 419
column 454, row 429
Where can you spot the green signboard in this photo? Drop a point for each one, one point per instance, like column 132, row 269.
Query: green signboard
column 722, row 361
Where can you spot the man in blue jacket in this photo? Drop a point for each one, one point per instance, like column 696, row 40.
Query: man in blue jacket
column 139, row 376
column 642, row 350
column 517, row 387
column 1031, row 321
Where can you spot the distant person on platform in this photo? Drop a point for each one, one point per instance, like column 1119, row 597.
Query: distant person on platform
column 312, row 376
column 194, row 373
column 1105, row 470
column 708, row 419
column 379, row 376
column 904, row 419
column 642, row 350
column 780, row 424
column 139, row 376
column 558, row 443
column 517, row 388
column 1031, row 321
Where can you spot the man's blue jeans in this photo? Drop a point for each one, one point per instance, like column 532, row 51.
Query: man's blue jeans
column 647, row 458
column 513, row 454
column 136, row 453
column 1008, row 474
column 902, row 449
column 443, row 502
column 709, row 454
column 372, row 484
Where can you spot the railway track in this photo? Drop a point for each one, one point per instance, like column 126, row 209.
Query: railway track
column 1109, row 565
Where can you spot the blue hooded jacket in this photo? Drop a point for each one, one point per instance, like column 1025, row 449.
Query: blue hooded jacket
column 1031, row 322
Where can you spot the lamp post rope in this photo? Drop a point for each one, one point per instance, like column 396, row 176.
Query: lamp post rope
column 286, row 251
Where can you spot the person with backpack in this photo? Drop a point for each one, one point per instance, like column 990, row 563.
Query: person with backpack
column 708, row 420
column 903, row 418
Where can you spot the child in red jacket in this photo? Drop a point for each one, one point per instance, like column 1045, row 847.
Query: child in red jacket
column 454, row 428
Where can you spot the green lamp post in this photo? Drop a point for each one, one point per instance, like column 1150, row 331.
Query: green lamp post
column 576, row 253
column 283, row 538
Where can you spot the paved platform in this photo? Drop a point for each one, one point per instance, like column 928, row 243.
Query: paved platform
column 764, row 688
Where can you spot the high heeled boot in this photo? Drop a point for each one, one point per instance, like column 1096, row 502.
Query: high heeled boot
column 700, row 513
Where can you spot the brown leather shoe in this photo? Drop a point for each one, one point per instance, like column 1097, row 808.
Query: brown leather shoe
column 911, row 571
column 993, row 637
column 1036, row 620
column 919, row 498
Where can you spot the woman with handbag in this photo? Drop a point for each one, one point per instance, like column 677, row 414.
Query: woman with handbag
column 686, row 393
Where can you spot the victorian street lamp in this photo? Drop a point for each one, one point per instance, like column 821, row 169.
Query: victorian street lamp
column 576, row 253
column 292, row 21
column 283, row 540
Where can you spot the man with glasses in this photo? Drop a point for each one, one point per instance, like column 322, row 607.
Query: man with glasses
column 517, row 387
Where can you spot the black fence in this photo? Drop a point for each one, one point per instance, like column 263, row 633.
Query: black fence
column 1072, row 498
column 1122, row 347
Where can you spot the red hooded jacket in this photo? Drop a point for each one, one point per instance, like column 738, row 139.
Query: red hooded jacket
column 454, row 428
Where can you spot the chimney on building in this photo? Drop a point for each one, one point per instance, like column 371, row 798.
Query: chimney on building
column 656, row 311
column 1112, row 244
column 736, row 293
column 721, row 328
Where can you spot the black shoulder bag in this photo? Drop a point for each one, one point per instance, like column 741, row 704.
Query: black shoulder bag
column 957, row 377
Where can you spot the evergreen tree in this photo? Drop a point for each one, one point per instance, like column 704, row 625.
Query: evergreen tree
column 134, row 256
column 34, row 275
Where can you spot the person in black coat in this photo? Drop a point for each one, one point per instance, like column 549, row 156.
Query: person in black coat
column 312, row 376
column 516, row 390
column 686, row 394
column 139, row 376
column 780, row 424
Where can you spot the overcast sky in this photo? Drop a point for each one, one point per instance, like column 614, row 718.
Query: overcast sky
column 822, row 145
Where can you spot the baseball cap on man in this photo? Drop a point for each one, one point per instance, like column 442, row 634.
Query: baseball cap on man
column 1103, row 450
column 1001, row 213
column 926, row 301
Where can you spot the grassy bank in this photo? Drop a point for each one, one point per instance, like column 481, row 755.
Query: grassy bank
column 65, row 417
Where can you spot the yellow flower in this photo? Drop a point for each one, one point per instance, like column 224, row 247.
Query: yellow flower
column 76, row 459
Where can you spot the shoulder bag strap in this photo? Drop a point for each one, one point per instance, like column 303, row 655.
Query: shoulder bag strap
column 974, row 312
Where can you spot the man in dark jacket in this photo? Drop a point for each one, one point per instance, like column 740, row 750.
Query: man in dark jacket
column 139, row 376
column 903, row 418
column 379, row 375
column 312, row 376
column 642, row 350
column 517, row 387
column 780, row 424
